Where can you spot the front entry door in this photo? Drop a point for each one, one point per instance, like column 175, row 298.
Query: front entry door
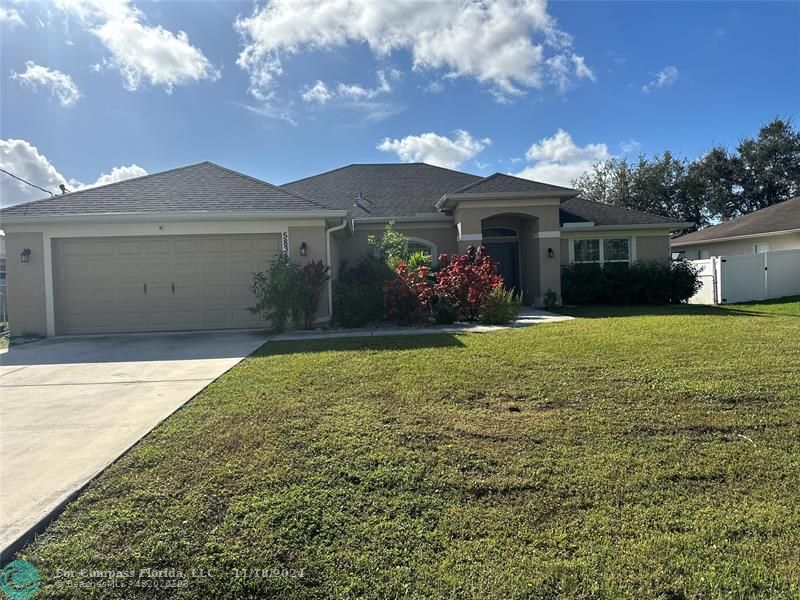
column 506, row 255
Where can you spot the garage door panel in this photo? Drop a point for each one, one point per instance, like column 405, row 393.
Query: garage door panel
column 213, row 245
column 100, row 282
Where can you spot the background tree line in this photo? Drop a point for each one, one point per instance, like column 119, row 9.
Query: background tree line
column 719, row 185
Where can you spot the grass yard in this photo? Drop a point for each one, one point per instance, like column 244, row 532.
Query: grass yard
column 781, row 306
column 622, row 455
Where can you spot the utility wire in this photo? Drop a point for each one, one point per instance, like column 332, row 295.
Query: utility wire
column 28, row 182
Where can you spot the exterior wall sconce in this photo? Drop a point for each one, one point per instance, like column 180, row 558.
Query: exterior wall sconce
column 25, row 255
column 303, row 249
column 550, row 253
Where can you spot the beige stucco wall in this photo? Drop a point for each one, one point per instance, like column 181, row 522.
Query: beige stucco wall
column 785, row 241
column 354, row 247
column 314, row 237
column 652, row 247
column 25, row 284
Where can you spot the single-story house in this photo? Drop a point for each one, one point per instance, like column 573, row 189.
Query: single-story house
column 776, row 227
column 176, row 250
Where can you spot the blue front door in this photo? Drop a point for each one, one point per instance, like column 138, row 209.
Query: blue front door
column 506, row 255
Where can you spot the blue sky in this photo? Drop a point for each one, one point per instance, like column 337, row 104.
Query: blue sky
column 97, row 91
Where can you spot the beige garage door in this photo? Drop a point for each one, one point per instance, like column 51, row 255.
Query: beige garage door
column 163, row 283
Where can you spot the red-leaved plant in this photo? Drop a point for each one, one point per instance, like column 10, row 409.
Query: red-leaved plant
column 408, row 296
column 467, row 280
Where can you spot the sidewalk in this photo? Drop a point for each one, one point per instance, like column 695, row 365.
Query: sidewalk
column 527, row 317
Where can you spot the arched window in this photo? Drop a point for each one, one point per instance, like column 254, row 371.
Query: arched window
column 498, row 232
column 420, row 245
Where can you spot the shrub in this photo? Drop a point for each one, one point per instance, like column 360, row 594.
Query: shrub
column 309, row 285
column 467, row 280
column 550, row 299
column 650, row 282
column 419, row 259
column 358, row 292
column 391, row 248
column 499, row 307
column 407, row 297
column 275, row 293
column 444, row 311
column 289, row 290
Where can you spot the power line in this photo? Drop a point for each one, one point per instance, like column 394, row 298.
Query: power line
column 28, row 182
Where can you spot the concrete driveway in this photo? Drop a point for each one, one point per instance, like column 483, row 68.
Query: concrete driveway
column 70, row 406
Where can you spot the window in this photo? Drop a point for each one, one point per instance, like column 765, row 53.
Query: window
column 413, row 247
column 495, row 232
column 616, row 250
column 2, row 269
column 703, row 254
column 587, row 251
column 602, row 250
column 759, row 248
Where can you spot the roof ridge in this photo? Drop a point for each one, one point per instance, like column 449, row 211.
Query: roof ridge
column 376, row 164
column 267, row 183
column 474, row 183
column 105, row 185
column 318, row 174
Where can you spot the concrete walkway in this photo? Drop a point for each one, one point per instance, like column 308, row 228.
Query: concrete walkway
column 71, row 406
column 527, row 317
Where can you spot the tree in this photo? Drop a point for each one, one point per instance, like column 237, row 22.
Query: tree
column 760, row 172
column 659, row 185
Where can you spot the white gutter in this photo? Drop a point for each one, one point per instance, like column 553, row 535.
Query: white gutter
column 419, row 218
column 667, row 226
column 460, row 196
column 328, row 233
column 186, row 215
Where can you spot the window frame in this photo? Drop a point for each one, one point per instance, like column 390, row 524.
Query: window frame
column 601, row 254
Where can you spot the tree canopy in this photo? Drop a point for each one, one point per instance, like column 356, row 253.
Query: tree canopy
column 722, row 184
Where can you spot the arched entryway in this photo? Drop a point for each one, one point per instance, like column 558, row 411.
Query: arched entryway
column 502, row 244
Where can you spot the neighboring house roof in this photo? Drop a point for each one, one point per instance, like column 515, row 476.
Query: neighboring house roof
column 500, row 183
column 784, row 216
column 389, row 190
column 202, row 187
column 580, row 210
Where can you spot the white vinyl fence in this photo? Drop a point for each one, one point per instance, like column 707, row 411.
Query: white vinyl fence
column 748, row 277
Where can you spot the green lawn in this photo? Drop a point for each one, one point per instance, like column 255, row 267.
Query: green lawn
column 628, row 456
column 781, row 306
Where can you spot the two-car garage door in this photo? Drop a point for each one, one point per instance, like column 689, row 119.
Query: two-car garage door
column 158, row 283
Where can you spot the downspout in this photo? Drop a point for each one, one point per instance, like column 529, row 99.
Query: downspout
column 328, row 233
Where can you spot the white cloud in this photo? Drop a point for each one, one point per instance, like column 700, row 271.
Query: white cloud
column 664, row 78
column 117, row 174
column 60, row 84
column 436, row 149
column 630, row 146
column 563, row 69
column 319, row 92
column 358, row 92
column 24, row 160
column 141, row 53
column 504, row 44
column 558, row 160
column 11, row 16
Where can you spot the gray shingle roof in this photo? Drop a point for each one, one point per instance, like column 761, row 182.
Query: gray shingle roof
column 390, row 190
column 580, row 210
column 500, row 183
column 783, row 216
column 201, row 187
